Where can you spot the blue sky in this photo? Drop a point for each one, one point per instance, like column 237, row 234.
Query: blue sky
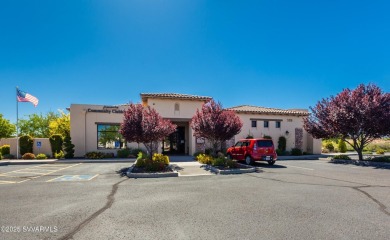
column 283, row 54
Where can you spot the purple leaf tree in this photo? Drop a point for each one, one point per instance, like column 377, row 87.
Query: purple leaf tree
column 360, row 115
column 144, row 125
column 215, row 124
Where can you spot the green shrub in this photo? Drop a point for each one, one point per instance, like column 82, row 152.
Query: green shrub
column 56, row 142
column 343, row 157
column 68, row 147
column 28, row 156
column 140, row 163
column 381, row 159
column 158, row 157
column 59, row 155
column 231, row 163
column 26, row 144
column 342, row 146
column 94, row 155
column 196, row 154
column 5, row 149
column 282, row 153
column 329, row 146
column 218, row 162
column 41, row 156
column 204, row 158
column 153, row 166
column 109, row 155
column 142, row 155
column 282, row 143
column 296, row 152
column 380, row 151
column 1, row 156
column 8, row 156
column 124, row 153
column 267, row 137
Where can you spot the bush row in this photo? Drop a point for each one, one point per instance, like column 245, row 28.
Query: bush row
column 58, row 146
column 220, row 161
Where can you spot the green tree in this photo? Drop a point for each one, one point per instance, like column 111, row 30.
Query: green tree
column 68, row 147
column 7, row 129
column 342, row 146
column 56, row 142
column 60, row 125
column 37, row 125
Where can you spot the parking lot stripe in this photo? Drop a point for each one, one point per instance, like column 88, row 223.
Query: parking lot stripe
column 6, row 182
column 37, row 174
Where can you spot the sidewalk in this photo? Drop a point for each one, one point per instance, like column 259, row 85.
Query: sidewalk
column 62, row 161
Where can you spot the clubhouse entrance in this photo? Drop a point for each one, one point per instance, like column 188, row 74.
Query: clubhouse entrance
column 176, row 143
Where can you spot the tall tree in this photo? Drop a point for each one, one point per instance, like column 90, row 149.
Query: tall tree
column 144, row 125
column 7, row 129
column 361, row 115
column 60, row 125
column 215, row 124
column 37, row 125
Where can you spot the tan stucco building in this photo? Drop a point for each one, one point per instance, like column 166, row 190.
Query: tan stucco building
column 95, row 127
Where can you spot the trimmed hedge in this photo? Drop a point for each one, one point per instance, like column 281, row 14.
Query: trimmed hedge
column 26, row 144
column 5, row 149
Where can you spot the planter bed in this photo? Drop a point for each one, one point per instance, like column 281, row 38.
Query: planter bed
column 135, row 172
column 242, row 168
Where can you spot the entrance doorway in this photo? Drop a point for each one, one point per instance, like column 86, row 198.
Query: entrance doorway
column 175, row 143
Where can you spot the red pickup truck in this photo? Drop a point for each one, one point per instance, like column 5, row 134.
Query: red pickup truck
column 250, row 150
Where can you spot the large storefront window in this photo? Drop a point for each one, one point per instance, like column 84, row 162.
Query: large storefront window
column 108, row 137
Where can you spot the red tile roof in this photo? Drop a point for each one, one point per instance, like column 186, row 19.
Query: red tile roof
column 174, row 96
column 264, row 110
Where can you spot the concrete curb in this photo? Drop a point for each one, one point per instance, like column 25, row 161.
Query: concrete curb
column 3, row 163
column 150, row 175
column 244, row 169
column 361, row 163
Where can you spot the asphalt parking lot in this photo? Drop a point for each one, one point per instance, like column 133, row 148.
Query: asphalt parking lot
column 290, row 200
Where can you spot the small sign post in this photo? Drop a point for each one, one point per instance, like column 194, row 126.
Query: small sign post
column 39, row 145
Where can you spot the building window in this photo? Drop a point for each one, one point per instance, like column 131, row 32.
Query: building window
column 254, row 123
column 108, row 137
column 266, row 124
column 277, row 124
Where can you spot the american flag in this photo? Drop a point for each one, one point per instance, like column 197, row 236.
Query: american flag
column 25, row 97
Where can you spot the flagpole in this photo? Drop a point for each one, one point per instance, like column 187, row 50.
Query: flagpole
column 17, row 125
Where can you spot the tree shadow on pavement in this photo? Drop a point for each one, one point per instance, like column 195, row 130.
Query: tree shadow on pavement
column 123, row 171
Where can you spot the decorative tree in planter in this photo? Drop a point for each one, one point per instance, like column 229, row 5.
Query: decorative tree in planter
column 68, row 147
column 144, row 125
column 360, row 115
column 215, row 124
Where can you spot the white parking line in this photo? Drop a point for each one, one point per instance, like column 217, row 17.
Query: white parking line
column 32, row 170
